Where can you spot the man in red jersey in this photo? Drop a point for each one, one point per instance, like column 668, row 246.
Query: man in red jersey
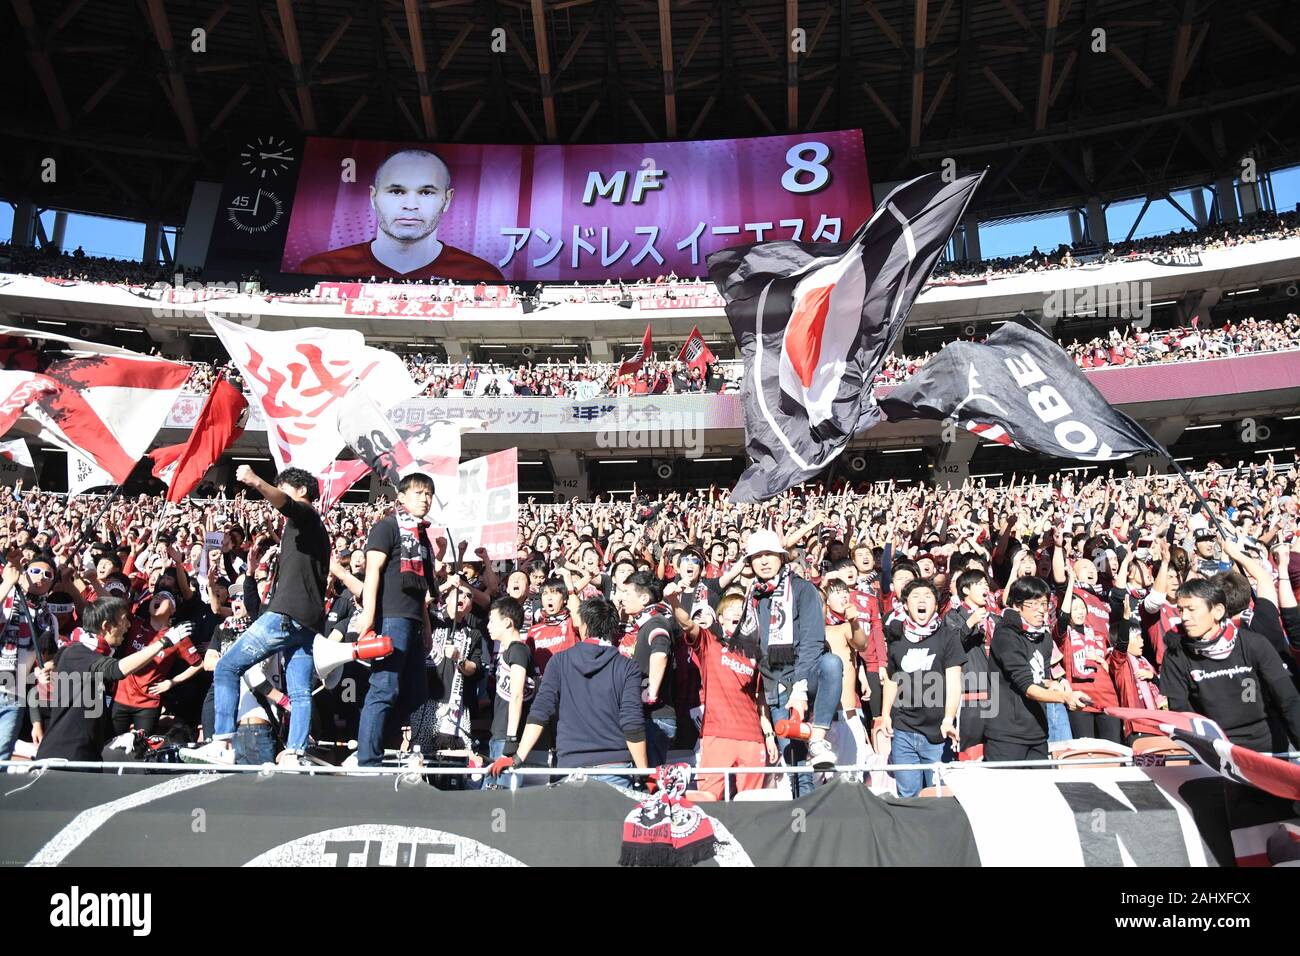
column 411, row 193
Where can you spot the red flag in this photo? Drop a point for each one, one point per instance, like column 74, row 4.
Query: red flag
column 633, row 365
column 219, row 426
column 695, row 353
column 337, row 479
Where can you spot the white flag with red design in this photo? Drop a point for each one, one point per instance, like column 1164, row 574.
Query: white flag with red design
column 485, row 511
column 17, row 452
column 107, row 407
column 298, row 376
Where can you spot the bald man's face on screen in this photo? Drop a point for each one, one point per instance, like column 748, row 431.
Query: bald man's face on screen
column 410, row 195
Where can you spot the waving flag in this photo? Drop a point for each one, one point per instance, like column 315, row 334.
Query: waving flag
column 484, row 512
column 219, row 426
column 695, row 353
column 1020, row 387
column 337, row 479
column 17, row 452
column 298, row 376
column 106, row 404
column 815, row 321
column 631, row 366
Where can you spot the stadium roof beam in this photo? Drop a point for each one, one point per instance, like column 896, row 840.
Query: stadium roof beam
column 178, row 95
column 293, row 49
column 40, row 61
column 1281, row 42
column 791, row 66
column 543, row 70
column 1182, row 45
column 1046, row 63
column 919, row 12
column 415, row 30
column 666, row 60
column 330, row 43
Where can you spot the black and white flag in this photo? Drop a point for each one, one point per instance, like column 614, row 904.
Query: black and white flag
column 815, row 321
column 1019, row 387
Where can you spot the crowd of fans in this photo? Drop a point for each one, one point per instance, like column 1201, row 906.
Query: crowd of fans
column 1065, row 256
column 81, row 267
column 795, row 630
column 586, row 379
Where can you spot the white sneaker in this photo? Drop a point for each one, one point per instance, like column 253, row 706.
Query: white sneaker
column 821, row 756
column 216, row 751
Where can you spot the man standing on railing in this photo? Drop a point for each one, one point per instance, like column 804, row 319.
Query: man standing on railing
column 294, row 615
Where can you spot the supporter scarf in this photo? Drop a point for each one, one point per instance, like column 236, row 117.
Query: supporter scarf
column 1216, row 648
column 780, row 632
column 633, row 627
column 833, row 619
column 413, row 532
column 239, row 624
column 666, row 829
column 93, row 641
column 555, row 620
column 701, row 593
column 915, row 633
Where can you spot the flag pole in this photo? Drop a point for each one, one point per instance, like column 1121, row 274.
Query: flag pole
column 1160, row 449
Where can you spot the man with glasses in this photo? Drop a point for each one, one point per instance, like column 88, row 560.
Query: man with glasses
column 22, row 605
column 1021, row 661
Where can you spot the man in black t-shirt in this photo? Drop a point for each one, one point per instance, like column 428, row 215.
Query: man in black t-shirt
column 647, row 639
column 399, row 580
column 923, row 689
column 293, row 616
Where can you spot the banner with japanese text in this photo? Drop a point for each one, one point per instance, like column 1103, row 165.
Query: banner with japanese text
column 487, row 214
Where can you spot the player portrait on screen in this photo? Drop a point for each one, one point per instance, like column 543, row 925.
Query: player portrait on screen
column 411, row 193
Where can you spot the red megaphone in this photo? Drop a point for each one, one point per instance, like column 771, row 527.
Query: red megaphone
column 371, row 646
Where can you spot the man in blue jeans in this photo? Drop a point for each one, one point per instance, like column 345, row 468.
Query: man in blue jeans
column 293, row 616
column 799, row 674
column 399, row 580
column 922, row 691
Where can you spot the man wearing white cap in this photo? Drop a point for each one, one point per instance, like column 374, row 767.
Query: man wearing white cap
column 786, row 611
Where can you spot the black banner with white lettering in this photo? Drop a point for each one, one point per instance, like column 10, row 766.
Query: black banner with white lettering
column 1019, row 387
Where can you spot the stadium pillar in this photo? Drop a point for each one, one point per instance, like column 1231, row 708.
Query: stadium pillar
column 455, row 349
column 1098, row 234
column 569, row 471
column 952, row 464
column 60, row 230
column 152, row 238
column 1227, row 197
column 1248, row 196
column 1197, row 303
column 1076, row 227
column 970, row 227
column 23, row 234
column 1198, row 207
column 600, row 350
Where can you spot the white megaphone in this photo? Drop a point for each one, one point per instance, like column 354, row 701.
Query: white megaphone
column 330, row 656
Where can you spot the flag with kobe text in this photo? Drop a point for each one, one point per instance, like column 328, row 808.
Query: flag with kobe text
column 815, row 321
column 1020, row 388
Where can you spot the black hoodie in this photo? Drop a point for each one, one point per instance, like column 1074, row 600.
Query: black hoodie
column 596, row 693
column 1018, row 661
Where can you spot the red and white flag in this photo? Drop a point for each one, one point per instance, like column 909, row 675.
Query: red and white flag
column 695, row 353
column 433, row 448
column 633, row 365
column 337, row 479
column 107, row 407
column 17, row 452
column 219, row 426
column 485, row 510
column 298, row 376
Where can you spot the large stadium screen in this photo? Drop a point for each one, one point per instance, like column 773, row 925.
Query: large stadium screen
column 564, row 213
